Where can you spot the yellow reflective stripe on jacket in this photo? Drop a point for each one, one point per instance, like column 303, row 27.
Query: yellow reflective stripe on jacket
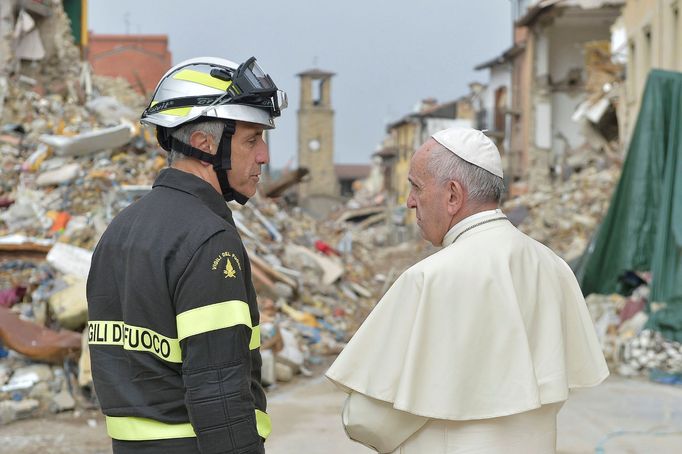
column 255, row 338
column 202, row 78
column 263, row 423
column 216, row 316
column 134, row 338
column 105, row 333
column 132, row 428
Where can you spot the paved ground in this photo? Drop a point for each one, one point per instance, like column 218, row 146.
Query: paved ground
column 306, row 421
column 308, row 416
column 614, row 415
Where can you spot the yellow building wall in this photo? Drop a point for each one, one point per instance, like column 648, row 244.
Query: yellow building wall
column 654, row 39
column 405, row 143
column 403, row 138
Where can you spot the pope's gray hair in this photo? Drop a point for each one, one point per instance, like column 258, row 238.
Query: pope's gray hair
column 481, row 185
column 213, row 128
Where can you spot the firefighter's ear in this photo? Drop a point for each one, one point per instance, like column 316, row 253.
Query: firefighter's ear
column 202, row 141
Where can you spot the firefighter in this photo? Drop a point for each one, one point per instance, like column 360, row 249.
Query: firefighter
column 173, row 331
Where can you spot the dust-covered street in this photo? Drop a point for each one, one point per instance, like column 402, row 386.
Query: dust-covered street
column 621, row 416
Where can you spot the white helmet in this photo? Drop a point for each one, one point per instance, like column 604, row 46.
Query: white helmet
column 214, row 88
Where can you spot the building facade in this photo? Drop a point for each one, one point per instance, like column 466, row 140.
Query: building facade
column 140, row 59
column 497, row 105
column 653, row 33
column 410, row 132
column 548, row 82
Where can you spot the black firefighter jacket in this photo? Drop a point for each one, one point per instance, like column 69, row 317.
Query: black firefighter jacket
column 173, row 330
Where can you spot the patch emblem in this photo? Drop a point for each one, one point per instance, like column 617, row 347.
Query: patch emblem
column 228, row 268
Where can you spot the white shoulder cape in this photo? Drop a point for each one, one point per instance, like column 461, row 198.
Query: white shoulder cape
column 491, row 325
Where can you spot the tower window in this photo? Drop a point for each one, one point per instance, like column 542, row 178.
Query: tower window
column 317, row 91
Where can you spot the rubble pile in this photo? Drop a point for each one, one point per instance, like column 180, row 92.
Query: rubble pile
column 565, row 213
column 564, row 216
column 630, row 348
column 312, row 296
column 315, row 280
column 32, row 389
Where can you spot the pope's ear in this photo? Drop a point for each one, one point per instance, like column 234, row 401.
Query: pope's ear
column 456, row 196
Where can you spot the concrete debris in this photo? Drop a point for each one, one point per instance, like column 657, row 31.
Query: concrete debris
column 63, row 401
column 11, row 410
column 69, row 306
column 268, row 377
column 565, row 215
column 650, row 350
column 283, row 372
column 89, row 142
column 629, row 347
column 329, row 269
column 31, row 374
column 29, row 45
column 62, row 175
column 70, row 260
column 110, row 111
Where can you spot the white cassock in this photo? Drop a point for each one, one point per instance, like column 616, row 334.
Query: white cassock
column 473, row 349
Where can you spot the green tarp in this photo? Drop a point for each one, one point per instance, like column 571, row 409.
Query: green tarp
column 642, row 230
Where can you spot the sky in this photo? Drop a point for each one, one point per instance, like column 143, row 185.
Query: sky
column 387, row 55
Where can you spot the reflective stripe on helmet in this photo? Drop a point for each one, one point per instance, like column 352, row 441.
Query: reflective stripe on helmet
column 132, row 428
column 198, row 77
column 177, row 112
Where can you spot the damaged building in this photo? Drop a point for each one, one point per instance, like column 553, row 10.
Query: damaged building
column 408, row 133
column 549, row 83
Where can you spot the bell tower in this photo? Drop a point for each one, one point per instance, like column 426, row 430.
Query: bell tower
column 316, row 134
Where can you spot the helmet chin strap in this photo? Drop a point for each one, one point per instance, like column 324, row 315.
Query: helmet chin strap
column 221, row 161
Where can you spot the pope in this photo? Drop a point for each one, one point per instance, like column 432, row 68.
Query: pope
column 475, row 348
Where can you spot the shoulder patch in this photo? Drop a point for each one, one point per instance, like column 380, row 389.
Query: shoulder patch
column 228, row 263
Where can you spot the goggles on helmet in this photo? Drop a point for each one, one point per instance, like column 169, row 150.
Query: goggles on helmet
column 251, row 86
